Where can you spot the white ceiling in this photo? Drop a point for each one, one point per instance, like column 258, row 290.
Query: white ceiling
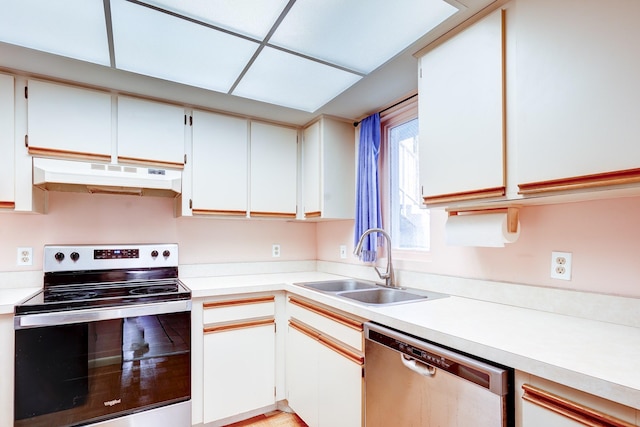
column 281, row 60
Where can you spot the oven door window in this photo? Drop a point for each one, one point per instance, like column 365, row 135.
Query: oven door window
column 74, row 374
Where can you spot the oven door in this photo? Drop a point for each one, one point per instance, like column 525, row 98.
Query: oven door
column 88, row 366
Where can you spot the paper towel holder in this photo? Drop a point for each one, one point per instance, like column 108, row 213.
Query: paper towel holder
column 511, row 211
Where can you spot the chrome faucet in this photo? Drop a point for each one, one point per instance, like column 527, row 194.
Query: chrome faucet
column 387, row 276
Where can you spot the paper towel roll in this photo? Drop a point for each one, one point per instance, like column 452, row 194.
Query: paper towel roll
column 488, row 230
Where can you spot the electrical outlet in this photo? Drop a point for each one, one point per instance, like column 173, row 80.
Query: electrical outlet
column 25, row 256
column 343, row 251
column 561, row 265
column 275, row 251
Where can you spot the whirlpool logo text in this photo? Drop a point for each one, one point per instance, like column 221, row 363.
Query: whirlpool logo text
column 112, row 402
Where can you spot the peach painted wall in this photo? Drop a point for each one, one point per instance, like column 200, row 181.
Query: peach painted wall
column 603, row 237
column 85, row 218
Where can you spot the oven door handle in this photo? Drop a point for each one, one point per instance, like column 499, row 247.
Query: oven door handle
column 97, row 314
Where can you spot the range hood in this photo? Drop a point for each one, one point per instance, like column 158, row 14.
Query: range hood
column 105, row 178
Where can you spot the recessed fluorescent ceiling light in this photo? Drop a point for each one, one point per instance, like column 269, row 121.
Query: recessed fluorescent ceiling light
column 291, row 81
column 156, row 44
column 358, row 34
column 252, row 18
column 71, row 28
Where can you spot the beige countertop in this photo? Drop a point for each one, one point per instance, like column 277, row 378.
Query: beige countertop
column 596, row 357
column 10, row 297
column 593, row 356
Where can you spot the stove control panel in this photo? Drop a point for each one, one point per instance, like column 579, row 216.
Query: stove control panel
column 103, row 257
column 116, row 253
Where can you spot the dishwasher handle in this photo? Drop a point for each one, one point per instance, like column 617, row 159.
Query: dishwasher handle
column 418, row 367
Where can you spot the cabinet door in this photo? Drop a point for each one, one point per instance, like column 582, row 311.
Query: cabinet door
column 220, row 163
column 65, row 121
column 328, row 170
column 311, row 171
column 274, row 161
column 536, row 416
column 7, row 142
column 577, row 94
column 150, row 133
column 239, row 371
column 462, row 154
column 339, row 389
column 303, row 376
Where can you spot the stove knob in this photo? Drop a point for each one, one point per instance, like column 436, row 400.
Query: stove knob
column 166, row 253
column 59, row 256
column 154, row 254
column 75, row 256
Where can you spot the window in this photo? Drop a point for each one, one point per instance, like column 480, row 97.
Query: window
column 405, row 216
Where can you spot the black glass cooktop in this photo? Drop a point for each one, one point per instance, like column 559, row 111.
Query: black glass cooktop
column 105, row 294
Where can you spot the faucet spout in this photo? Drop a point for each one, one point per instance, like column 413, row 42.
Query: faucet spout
column 387, row 276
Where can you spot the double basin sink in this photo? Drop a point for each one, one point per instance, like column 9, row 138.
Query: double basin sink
column 369, row 293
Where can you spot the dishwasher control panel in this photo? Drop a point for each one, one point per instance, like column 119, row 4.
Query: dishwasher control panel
column 479, row 372
column 424, row 356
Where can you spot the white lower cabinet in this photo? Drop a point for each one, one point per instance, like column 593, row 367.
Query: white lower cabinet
column 239, row 363
column 6, row 369
column 545, row 403
column 324, row 375
column 340, row 389
column 302, row 376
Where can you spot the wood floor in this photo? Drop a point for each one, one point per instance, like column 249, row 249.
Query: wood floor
column 272, row 419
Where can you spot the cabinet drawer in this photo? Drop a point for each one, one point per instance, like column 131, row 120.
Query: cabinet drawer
column 237, row 309
column 330, row 323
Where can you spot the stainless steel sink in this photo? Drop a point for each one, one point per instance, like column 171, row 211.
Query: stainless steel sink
column 370, row 293
column 383, row 296
column 339, row 285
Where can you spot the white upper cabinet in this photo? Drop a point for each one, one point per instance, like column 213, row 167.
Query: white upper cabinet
column 7, row 118
column 150, row 133
column 462, row 154
column 577, row 94
column 219, row 164
column 274, row 161
column 70, row 122
column 328, row 170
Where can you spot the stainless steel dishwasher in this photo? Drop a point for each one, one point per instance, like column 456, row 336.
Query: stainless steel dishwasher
column 413, row 383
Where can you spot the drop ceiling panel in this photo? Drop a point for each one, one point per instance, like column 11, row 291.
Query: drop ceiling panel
column 160, row 45
column 252, row 18
column 71, row 28
column 358, row 34
column 291, row 81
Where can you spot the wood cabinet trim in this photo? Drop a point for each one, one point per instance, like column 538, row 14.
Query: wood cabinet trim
column 352, row 356
column 315, row 214
column 7, row 205
column 152, row 163
column 572, row 410
column 272, row 214
column 219, row 212
column 466, row 195
column 239, row 325
column 343, row 320
column 343, row 351
column 628, row 176
column 236, row 302
column 304, row 329
column 65, row 154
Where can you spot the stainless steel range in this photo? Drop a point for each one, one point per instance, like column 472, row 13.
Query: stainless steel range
column 107, row 342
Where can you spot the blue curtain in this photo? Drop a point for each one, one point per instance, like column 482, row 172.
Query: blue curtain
column 367, row 188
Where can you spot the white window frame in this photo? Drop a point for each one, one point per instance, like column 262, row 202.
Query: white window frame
column 390, row 118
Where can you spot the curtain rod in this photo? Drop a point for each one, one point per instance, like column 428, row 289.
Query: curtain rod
column 355, row 124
